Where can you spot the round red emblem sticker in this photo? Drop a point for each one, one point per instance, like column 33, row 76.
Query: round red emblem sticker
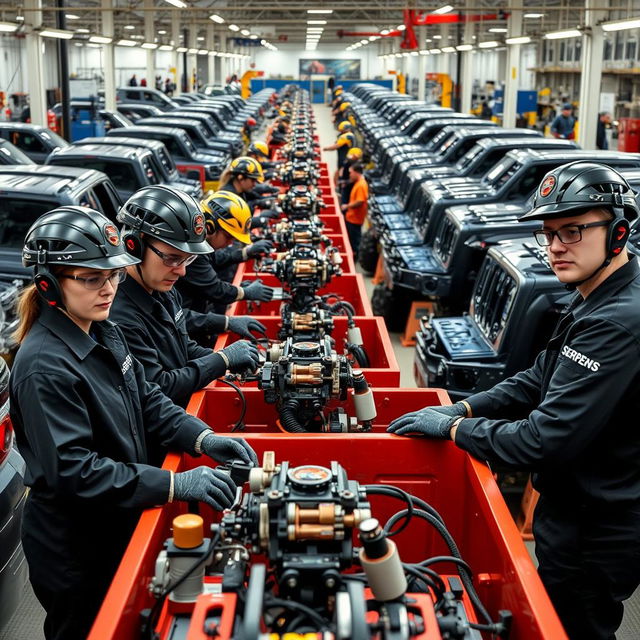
column 547, row 186
column 112, row 235
column 198, row 224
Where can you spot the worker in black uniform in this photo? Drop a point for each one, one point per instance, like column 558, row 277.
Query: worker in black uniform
column 343, row 181
column 85, row 416
column 227, row 218
column 164, row 229
column 572, row 418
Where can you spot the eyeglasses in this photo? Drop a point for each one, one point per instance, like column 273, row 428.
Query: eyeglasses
column 567, row 235
column 169, row 260
column 97, row 282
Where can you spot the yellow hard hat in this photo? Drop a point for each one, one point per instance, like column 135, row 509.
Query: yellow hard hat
column 354, row 154
column 345, row 125
column 246, row 166
column 346, row 138
column 338, row 92
column 259, row 148
column 229, row 212
column 344, row 106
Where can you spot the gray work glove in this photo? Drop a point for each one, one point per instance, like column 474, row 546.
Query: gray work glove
column 241, row 356
column 257, row 291
column 224, row 449
column 259, row 248
column 244, row 325
column 433, row 422
column 204, row 484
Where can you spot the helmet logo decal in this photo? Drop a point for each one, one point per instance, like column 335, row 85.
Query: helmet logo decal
column 130, row 244
column 547, row 186
column 112, row 235
column 198, row 224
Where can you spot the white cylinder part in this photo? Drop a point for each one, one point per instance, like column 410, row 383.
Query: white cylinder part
column 385, row 575
column 193, row 586
column 365, row 405
column 354, row 335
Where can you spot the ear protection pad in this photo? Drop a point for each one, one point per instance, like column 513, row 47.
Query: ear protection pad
column 133, row 244
column 48, row 287
column 617, row 236
column 210, row 226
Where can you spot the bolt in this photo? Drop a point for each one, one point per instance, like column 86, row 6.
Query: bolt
column 330, row 583
column 347, row 494
column 274, row 495
column 292, row 583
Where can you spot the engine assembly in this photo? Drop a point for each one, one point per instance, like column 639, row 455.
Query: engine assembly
column 301, row 202
column 301, row 376
column 286, row 234
column 299, row 555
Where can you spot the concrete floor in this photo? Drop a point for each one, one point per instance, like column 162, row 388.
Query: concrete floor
column 26, row 624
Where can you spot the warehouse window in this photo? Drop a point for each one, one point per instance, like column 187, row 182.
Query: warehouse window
column 632, row 46
column 619, row 47
column 608, row 48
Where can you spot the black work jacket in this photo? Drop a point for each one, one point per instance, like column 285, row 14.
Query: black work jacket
column 573, row 416
column 85, row 417
column 202, row 287
column 155, row 328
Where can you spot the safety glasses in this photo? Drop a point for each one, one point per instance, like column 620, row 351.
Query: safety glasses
column 570, row 234
column 97, row 282
column 169, row 260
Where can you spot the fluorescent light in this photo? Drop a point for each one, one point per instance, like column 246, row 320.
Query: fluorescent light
column 435, row 52
column 253, row 36
column 71, row 16
column 126, row 43
column 437, row 37
column 82, row 30
column 149, row 45
column 316, row 22
column 177, row 3
column 245, row 32
column 129, row 27
column 415, row 53
column 216, row 18
column 165, row 47
column 533, row 15
column 401, row 27
column 518, row 40
column 488, row 45
column 20, row 18
column 200, row 38
column 405, row 54
column 445, row 9
column 398, row 55
column 191, row 51
column 448, row 49
column 57, row 33
column 8, row 27
column 566, row 33
column 384, row 32
column 318, row 11
column 424, row 52
column 234, row 27
column 93, row 45
column 498, row 30
column 203, row 52
column 619, row 25
column 181, row 49
column 315, row 30
column 464, row 47
column 263, row 42
column 162, row 32
column 78, row 44
column 213, row 53
column 101, row 39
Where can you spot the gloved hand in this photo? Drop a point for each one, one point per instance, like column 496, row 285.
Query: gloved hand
column 208, row 485
column 242, row 356
column 224, row 449
column 257, row 291
column 258, row 248
column 457, row 410
column 257, row 222
column 269, row 213
column 427, row 422
column 244, row 325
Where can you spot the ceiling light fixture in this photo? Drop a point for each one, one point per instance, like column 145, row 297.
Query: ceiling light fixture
column 100, row 39
column 448, row 49
column 149, row 45
column 464, row 47
column 216, row 18
column 60, row 34
column 234, row 27
column 177, row 3
column 181, row 49
column 620, row 25
column 8, row 27
column 71, row 16
column 316, row 22
column 518, row 40
column 319, row 11
column 498, row 30
column 489, row 44
column 445, row 9
column 129, row 27
column 245, row 32
column 566, row 33
column 126, row 43
column 165, row 47
column 533, row 15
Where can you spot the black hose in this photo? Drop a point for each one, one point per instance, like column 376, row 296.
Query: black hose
column 289, row 419
column 239, row 425
column 465, row 576
column 359, row 353
column 393, row 492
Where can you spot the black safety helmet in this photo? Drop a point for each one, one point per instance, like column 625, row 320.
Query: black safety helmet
column 75, row 236
column 165, row 213
column 71, row 237
column 577, row 187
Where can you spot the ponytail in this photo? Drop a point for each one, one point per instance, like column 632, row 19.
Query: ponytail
column 28, row 311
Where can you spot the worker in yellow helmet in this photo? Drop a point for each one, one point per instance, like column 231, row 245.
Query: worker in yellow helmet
column 341, row 178
column 344, row 142
column 259, row 151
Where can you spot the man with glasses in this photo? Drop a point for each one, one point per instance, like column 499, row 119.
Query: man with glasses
column 572, row 418
column 165, row 229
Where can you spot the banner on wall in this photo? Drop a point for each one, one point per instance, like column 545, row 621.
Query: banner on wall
column 339, row 68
